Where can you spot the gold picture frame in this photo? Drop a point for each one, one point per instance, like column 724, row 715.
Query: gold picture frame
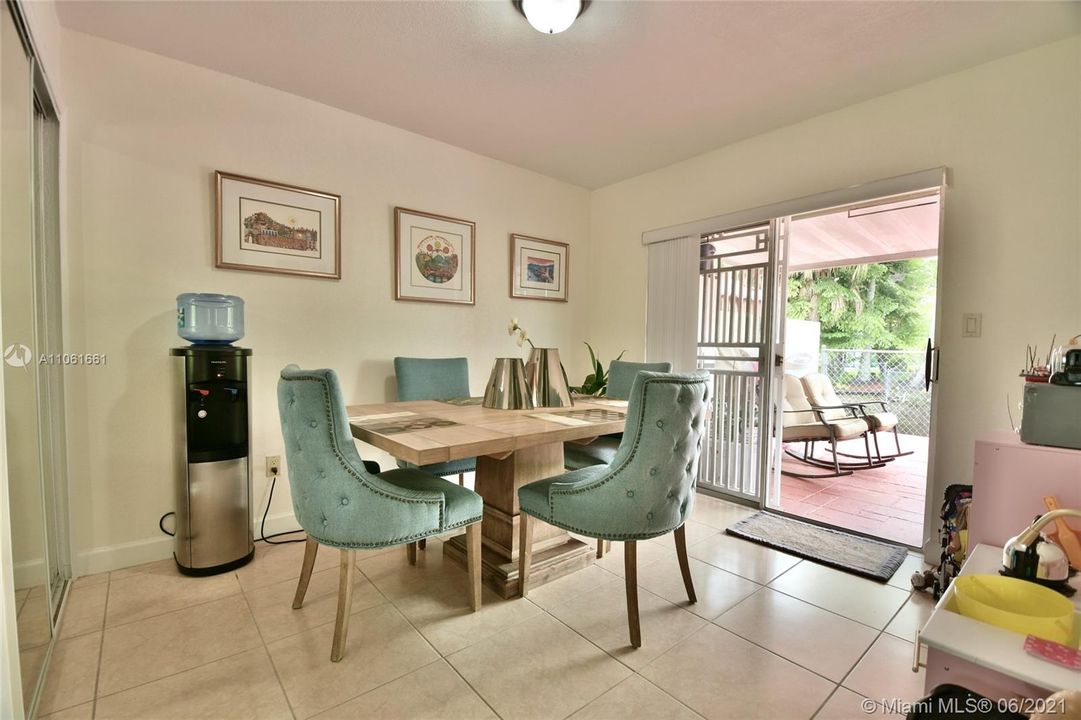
column 271, row 227
column 435, row 258
column 539, row 268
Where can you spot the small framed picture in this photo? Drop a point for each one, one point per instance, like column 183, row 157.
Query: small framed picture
column 539, row 269
column 435, row 257
column 267, row 226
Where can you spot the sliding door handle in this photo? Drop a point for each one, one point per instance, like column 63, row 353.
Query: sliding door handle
column 927, row 366
column 931, row 360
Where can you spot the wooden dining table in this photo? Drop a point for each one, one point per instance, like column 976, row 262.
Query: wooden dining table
column 513, row 448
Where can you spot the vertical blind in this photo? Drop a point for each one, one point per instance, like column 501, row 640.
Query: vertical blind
column 672, row 302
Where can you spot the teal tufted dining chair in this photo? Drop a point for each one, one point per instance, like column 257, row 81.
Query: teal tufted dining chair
column 340, row 504
column 647, row 490
column 435, row 379
column 621, row 374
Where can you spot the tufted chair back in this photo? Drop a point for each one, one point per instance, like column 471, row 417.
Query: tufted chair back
column 335, row 499
column 819, row 390
column 431, row 378
column 621, row 376
column 648, row 489
column 796, row 399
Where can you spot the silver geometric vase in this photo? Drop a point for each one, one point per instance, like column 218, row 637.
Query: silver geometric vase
column 547, row 381
column 507, row 387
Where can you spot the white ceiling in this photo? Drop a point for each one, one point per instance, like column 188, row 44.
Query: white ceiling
column 631, row 87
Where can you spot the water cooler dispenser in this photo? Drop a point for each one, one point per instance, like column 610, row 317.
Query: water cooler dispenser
column 214, row 470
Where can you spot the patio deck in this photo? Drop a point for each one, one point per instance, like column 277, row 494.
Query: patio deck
column 886, row 502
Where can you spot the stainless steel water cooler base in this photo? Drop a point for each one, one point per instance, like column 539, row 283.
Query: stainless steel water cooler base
column 213, row 461
column 216, row 494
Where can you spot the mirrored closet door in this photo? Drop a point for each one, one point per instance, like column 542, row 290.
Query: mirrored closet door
column 29, row 328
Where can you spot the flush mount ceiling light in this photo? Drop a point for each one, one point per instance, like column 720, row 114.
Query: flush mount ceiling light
column 551, row 16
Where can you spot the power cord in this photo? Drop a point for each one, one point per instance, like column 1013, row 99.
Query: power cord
column 161, row 524
column 262, row 523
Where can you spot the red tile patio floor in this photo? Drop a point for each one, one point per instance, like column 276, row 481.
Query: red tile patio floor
column 886, row 502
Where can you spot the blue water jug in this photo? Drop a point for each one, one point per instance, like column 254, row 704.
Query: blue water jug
column 209, row 318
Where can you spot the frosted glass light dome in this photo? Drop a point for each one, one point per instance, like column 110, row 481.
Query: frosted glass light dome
column 551, row 16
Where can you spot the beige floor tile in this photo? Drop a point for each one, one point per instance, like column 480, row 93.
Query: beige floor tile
column 33, row 620
column 647, row 552
column 903, row 577
column 155, row 566
column 434, row 692
column 382, row 646
column 847, row 705
column 570, row 586
column 635, row 698
column 156, row 647
column 720, row 675
column 434, row 596
column 885, row 672
column 160, row 589
column 272, row 606
column 538, row 669
column 755, row 562
column 73, row 670
column 696, row 532
column 718, row 513
column 600, row 616
column 274, row 563
column 716, row 589
column 912, row 616
column 859, row 599
column 88, row 580
column 79, row 712
column 84, row 610
column 820, row 641
column 31, row 661
column 241, row 687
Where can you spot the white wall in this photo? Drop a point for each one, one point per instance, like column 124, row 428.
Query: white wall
column 144, row 136
column 1010, row 132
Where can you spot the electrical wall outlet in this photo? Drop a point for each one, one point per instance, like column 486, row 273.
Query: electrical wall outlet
column 273, row 465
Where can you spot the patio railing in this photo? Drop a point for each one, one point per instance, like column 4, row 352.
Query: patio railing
column 893, row 376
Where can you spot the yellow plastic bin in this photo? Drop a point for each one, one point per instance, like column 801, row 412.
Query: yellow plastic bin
column 1016, row 605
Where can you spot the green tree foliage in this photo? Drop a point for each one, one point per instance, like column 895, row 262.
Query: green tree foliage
column 881, row 306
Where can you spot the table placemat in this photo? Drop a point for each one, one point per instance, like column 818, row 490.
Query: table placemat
column 588, row 416
column 463, row 402
column 394, row 426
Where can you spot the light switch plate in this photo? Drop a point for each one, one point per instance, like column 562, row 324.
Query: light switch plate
column 971, row 325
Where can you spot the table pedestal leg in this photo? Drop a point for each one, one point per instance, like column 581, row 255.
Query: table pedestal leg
column 555, row 553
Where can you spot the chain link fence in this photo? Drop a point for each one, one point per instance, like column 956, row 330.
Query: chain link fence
column 892, row 376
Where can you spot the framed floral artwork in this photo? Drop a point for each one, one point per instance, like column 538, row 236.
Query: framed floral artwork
column 435, row 257
column 539, row 269
column 267, row 226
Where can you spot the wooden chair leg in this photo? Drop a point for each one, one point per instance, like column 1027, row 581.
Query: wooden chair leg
column 630, row 575
column 525, row 552
column 411, row 552
column 311, row 547
column 600, row 548
column 345, row 604
column 684, row 564
column 422, row 544
column 461, row 479
column 472, row 545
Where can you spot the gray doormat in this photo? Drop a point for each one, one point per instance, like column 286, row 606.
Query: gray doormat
column 858, row 555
